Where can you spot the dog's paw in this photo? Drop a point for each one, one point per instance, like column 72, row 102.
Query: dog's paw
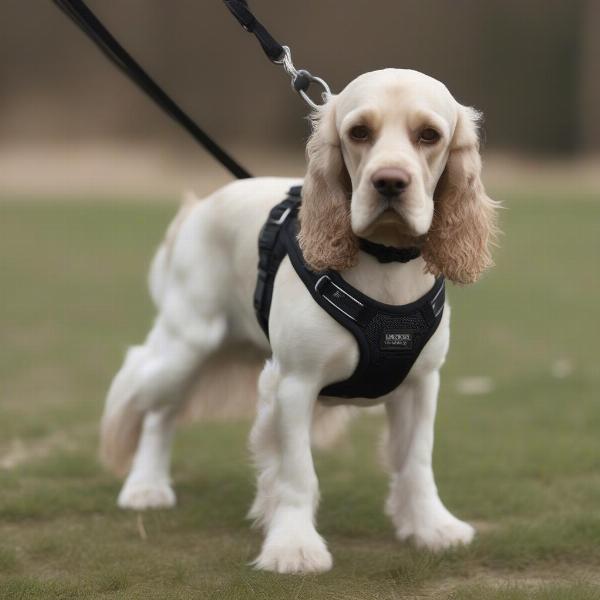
column 144, row 495
column 293, row 553
column 438, row 533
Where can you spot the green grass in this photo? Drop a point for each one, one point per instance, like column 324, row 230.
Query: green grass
column 522, row 462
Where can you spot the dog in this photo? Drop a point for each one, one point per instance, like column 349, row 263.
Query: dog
column 393, row 129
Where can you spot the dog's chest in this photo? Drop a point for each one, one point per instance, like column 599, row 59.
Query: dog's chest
column 390, row 337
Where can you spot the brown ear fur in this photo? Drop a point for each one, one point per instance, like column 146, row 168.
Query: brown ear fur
column 464, row 221
column 326, row 236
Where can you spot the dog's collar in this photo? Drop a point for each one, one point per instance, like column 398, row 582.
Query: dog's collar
column 388, row 254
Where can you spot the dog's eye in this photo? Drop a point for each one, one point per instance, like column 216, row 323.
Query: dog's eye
column 429, row 136
column 360, row 133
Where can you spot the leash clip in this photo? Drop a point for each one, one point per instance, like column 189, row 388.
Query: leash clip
column 302, row 79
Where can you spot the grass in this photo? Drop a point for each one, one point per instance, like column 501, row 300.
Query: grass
column 522, row 461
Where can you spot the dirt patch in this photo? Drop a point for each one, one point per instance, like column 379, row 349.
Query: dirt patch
column 19, row 451
column 133, row 170
column 532, row 580
column 99, row 170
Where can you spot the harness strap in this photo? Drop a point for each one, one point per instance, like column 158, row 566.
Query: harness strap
column 341, row 299
column 271, row 253
column 87, row 21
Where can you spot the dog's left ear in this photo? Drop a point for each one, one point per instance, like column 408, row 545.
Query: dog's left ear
column 464, row 221
column 326, row 236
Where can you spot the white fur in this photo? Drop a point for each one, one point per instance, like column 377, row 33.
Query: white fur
column 202, row 281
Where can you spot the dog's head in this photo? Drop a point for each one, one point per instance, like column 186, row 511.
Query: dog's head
column 395, row 152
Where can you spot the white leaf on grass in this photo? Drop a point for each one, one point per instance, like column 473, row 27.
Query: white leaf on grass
column 561, row 368
column 475, row 385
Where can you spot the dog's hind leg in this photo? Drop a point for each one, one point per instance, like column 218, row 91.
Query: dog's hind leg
column 148, row 485
column 144, row 399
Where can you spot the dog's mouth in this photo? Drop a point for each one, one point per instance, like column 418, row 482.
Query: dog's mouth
column 389, row 214
column 393, row 217
column 392, row 230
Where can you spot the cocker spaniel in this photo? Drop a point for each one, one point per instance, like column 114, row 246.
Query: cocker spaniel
column 394, row 159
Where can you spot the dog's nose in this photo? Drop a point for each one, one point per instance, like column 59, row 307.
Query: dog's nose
column 390, row 182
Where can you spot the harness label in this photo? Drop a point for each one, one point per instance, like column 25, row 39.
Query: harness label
column 396, row 340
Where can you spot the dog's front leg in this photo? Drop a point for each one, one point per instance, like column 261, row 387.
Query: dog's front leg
column 292, row 544
column 413, row 503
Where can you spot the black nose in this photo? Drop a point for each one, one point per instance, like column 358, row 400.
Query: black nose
column 390, row 182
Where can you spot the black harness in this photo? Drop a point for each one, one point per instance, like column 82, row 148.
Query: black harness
column 390, row 338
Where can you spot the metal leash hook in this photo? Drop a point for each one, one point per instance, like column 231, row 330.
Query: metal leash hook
column 302, row 79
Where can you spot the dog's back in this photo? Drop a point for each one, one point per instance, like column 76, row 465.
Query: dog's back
column 210, row 227
column 202, row 281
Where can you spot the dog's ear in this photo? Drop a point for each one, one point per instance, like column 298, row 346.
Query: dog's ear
column 326, row 236
column 464, row 221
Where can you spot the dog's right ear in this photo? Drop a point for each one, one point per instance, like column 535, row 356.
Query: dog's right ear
column 464, row 224
column 326, row 236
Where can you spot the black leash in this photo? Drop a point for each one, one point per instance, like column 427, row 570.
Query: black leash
column 87, row 21
column 272, row 48
column 276, row 52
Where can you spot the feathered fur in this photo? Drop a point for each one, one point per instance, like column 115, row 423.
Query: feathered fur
column 203, row 279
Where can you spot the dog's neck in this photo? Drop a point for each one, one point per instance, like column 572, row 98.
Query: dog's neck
column 395, row 282
column 392, row 283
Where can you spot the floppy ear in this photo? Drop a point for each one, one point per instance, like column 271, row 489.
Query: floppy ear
column 326, row 236
column 464, row 221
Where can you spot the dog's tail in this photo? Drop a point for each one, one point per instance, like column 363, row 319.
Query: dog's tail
column 122, row 420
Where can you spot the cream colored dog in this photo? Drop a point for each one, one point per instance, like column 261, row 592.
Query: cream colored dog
column 395, row 130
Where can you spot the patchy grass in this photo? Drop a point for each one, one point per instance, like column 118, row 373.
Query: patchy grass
column 521, row 460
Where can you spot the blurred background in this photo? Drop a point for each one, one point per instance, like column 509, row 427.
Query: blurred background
column 91, row 173
column 70, row 119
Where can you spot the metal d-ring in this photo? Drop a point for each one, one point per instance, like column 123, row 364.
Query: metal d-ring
column 301, row 80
